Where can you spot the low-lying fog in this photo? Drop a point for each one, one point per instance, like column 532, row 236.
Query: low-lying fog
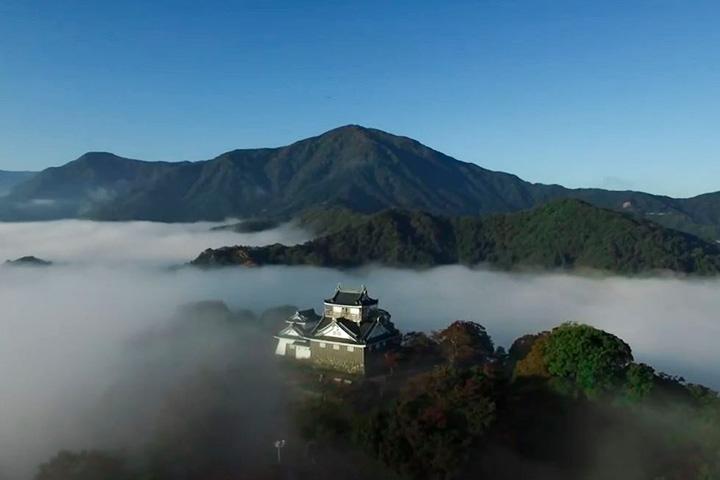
column 145, row 243
column 65, row 330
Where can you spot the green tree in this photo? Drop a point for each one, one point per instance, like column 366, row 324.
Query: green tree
column 639, row 381
column 419, row 343
column 593, row 361
column 464, row 343
column 428, row 431
column 532, row 363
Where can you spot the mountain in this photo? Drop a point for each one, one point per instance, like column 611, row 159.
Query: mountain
column 77, row 188
column 28, row 261
column 562, row 234
column 9, row 179
column 352, row 167
column 361, row 169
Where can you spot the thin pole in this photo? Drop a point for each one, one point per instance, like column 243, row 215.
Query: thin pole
column 279, row 444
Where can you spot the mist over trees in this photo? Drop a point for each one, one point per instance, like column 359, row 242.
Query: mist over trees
column 584, row 410
column 567, row 403
column 112, row 366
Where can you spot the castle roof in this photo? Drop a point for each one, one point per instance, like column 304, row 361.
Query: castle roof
column 345, row 296
column 348, row 326
column 294, row 331
column 304, row 316
column 377, row 328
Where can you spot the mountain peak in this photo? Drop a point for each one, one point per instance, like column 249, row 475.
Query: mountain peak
column 360, row 131
column 358, row 136
column 348, row 132
column 349, row 128
column 99, row 157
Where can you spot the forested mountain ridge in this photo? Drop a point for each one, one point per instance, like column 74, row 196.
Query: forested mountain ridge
column 564, row 234
column 77, row 188
column 361, row 169
column 357, row 168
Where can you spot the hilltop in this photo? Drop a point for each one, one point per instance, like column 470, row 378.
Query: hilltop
column 562, row 234
column 446, row 404
column 29, row 261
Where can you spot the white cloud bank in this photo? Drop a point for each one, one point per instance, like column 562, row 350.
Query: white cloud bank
column 64, row 330
column 80, row 241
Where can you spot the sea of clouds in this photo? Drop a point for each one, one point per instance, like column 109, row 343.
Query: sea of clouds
column 65, row 330
column 127, row 243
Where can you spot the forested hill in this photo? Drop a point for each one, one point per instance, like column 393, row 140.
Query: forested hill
column 362, row 169
column 562, row 234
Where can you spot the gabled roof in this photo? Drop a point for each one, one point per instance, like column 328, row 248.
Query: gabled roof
column 379, row 331
column 345, row 296
column 292, row 331
column 349, row 330
column 375, row 316
column 324, row 322
column 304, row 316
column 377, row 328
column 350, row 327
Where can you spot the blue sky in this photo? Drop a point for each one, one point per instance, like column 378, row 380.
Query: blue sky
column 610, row 94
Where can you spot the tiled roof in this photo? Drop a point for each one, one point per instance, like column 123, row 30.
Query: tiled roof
column 358, row 332
column 305, row 316
column 324, row 322
column 351, row 297
column 350, row 327
column 308, row 324
column 301, row 333
column 381, row 318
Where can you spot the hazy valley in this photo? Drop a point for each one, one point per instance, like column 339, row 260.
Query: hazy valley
column 104, row 323
column 148, row 360
column 281, row 240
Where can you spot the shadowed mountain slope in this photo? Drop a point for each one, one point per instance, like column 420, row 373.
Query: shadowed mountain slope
column 562, row 234
column 9, row 179
column 352, row 167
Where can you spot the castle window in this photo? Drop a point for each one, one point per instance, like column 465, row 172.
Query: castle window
column 322, row 344
column 351, row 348
column 336, row 347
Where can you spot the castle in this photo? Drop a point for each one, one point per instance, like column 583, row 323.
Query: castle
column 351, row 335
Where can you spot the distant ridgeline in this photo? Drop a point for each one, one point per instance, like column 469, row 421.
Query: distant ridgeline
column 29, row 261
column 562, row 234
column 361, row 169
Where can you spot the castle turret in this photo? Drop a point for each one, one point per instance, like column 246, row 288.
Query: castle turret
column 351, row 336
column 351, row 304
